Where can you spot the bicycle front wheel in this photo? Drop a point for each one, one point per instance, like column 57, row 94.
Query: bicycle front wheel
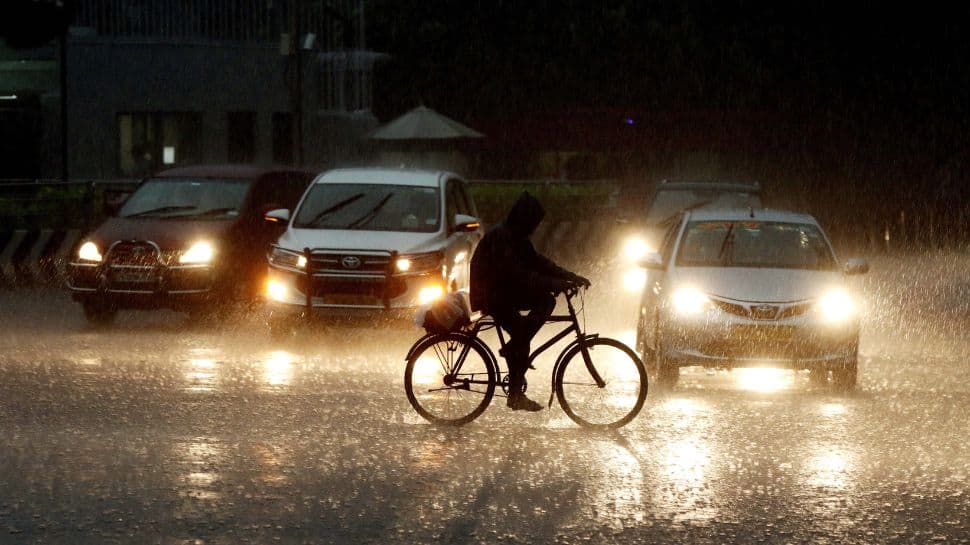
column 616, row 398
column 449, row 379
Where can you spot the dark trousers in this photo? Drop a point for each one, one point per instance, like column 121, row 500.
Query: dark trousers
column 521, row 330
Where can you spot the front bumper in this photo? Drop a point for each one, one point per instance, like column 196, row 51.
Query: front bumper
column 287, row 291
column 798, row 343
column 157, row 286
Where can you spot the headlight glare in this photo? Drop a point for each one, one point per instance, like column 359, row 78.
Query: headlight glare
column 635, row 248
column 836, row 306
column 276, row 290
column 403, row 264
column 429, row 294
column 689, row 301
column 200, row 252
column 301, row 261
column 89, row 252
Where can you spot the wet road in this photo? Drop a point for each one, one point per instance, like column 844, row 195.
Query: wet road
column 161, row 431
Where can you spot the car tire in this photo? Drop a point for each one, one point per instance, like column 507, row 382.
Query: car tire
column 844, row 379
column 818, row 376
column 667, row 374
column 99, row 315
column 280, row 327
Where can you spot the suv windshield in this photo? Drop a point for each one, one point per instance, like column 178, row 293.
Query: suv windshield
column 757, row 244
column 186, row 197
column 370, row 207
column 668, row 202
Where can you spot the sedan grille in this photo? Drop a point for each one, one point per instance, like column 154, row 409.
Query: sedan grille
column 763, row 311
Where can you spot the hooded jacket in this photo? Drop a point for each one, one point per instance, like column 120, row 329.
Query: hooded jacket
column 506, row 265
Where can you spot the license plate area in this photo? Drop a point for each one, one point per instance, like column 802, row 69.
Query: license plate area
column 763, row 333
column 350, row 299
column 133, row 276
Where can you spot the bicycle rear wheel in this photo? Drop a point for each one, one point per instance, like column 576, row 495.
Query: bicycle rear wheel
column 624, row 388
column 449, row 379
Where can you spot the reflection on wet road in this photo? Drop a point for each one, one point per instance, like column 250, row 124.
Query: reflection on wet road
column 158, row 431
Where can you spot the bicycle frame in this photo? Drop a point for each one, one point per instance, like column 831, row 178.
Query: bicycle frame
column 573, row 328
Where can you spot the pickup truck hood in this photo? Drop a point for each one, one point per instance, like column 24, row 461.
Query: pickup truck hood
column 336, row 239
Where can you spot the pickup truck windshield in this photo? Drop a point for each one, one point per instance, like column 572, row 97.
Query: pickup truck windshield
column 370, row 207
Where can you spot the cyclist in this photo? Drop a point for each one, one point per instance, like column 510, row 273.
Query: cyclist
column 509, row 276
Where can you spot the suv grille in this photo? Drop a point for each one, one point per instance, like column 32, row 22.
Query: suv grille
column 350, row 263
column 133, row 254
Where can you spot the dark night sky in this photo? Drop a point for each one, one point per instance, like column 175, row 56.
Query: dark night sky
column 491, row 59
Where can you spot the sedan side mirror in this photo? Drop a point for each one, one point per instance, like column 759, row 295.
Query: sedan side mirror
column 466, row 224
column 280, row 215
column 652, row 261
column 855, row 266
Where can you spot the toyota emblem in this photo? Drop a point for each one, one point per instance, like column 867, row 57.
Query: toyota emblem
column 350, row 262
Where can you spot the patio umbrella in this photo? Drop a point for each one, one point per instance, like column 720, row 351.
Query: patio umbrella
column 423, row 124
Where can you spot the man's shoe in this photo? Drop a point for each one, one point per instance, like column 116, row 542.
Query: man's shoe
column 518, row 402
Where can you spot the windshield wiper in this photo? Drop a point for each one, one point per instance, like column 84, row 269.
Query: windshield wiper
column 209, row 212
column 371, row 214
column 316, row 219
column 162, row 210
column 728, row 240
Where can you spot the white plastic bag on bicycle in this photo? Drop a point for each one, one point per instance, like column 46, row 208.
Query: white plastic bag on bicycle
column 448, row 313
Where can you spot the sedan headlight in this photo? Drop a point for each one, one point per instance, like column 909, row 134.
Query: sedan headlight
column 635, row 248
column 836, row 306
column 689, row 301
column 89, row 252
column 200, row 252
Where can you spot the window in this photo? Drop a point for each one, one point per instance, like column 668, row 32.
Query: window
column 241, row 136
column 283, row 138
column 151, row 141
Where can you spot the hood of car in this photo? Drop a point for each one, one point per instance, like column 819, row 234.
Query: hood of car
column 169, row 234
column 757, row 285
column 338, row 239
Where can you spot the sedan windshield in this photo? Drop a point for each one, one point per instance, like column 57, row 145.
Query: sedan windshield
column 370, row 207
column 186, row 197
column 758, row 244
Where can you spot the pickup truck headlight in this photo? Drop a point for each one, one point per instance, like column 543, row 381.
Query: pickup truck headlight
column 419, row 263
column 200, row 252
column 89, row 252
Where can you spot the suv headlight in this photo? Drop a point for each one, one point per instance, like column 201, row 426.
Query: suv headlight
column 200, row 252
column 836, row 306
column 287, row 258
column 419, row 263
column 89, row 252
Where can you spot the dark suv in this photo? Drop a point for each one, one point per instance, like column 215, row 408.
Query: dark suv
column 189, row 239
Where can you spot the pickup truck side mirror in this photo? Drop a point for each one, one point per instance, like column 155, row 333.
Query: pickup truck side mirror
column 466, row 224
column 855, row 266
column 280, row 215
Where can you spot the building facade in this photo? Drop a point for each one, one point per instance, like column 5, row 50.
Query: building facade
column 150, row 84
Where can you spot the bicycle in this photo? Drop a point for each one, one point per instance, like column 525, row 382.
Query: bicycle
column 451, row 378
